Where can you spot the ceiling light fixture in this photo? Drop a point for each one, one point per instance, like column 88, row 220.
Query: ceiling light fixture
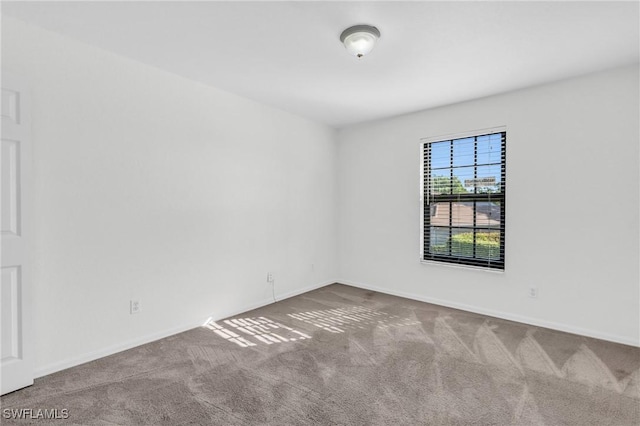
column 359, row 39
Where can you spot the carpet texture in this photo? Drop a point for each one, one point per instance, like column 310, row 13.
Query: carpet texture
column 346, row 356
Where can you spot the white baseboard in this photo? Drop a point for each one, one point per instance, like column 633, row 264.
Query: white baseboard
column 298, row 291
column 503, row 315
column 132, row 343
column 110, row 350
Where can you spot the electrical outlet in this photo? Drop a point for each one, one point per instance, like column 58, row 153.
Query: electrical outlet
column 134, row 306
column 270, row 277
column 533, row 292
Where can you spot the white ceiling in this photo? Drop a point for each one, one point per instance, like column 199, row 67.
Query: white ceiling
column 288, row 54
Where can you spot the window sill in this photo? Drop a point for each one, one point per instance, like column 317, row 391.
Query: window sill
column 459, row 266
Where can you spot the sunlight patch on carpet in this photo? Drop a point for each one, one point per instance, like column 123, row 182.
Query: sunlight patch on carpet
column 247, row 332
column 341, row 319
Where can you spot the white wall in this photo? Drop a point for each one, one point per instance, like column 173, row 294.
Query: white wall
column 154, row 187
column 572, row 206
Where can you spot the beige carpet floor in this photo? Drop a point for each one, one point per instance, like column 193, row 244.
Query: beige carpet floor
column 346, row 356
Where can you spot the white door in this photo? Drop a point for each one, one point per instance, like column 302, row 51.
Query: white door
column 16, row 366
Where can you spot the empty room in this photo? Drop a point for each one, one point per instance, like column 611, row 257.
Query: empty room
column 320, row 213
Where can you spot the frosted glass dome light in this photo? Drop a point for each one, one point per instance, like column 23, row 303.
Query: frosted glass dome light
column 359, row 39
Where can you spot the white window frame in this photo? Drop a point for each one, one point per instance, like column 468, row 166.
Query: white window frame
column 438, row 138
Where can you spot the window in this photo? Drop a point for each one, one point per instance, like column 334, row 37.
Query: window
column 464, row 200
